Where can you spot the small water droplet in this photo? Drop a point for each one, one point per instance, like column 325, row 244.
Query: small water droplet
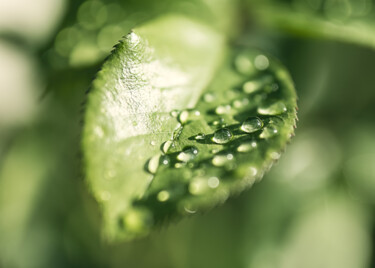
column 198, row 186
column 247, row 147
column 183, row 117
column 213, row 182
column 163, row 196
column 166, row 145
column 164, row 160
column 223, row 109
column 153, row 164
column 175, row 113
column 252, row 124
column 179, row 165
column 243, row 64
column 188, row 154
column 209, row 97
column 222, row 136
column 153, row 143
column 261, row 62
column 137, row 220
column 188, row 115
column 200, row 136
column 273, row 109
column 219, row 122
column 222, row 160
column 269, row 131
column 214, row 151
column 240, row 103
column 252, row 86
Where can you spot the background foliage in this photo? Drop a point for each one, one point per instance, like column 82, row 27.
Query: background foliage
column 315, row 208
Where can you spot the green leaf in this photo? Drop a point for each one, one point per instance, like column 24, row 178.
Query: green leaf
column 348, row 21
column 159, row 142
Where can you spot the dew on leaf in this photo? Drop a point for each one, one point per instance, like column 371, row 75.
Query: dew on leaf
column 269, row 131
column 166, row 145
column 163, row 196
column 222, row 159
column 188, row 154
column 137, row 220
column 222, row 136
column 246, row 147
column 244, row 65
column 223, row 109
column 153, row 164
column 273, row 109
column 200, row 136
column 252, row 124
column 261, row 62
column 213, row 182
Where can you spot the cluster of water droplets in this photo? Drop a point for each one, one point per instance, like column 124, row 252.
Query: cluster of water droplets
column 233, row 130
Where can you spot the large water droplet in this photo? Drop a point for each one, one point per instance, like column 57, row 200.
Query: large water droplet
column 222, row 136
column 188, row 154
column 273, row 109
column 247, row 147
column 252, row 124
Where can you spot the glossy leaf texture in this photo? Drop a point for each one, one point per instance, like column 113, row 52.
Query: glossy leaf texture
column 169, row 133
column 350, row 21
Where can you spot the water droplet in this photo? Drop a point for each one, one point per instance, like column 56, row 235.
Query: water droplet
column 214, row 151
column 137, row 220
column 244, row 65
column 166, row 145
column 153, row 143
column 222, row 160
column 198, row 186
column 175, row 113
column 223, row 109
column 164, row 160
column 240, row 103
column 252, row 124
column 222, row 136
column 247, row 147
column 273, row 109
column 261, row 62
column 188, row 154
column 208, row 97
column 269, row 131
column 219, row 122
column 252, row 86
column 213, row 182
column 271, row 88
column 153, row 164
column 179, row 165
column 187, row 115
column 200, row 136
column 183, row 117
column 163, row 196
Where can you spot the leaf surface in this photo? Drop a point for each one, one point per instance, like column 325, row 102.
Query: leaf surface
column 168, row 134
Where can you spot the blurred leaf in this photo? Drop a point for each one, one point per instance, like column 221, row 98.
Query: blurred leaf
column 349, row 21
column 150, row 156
